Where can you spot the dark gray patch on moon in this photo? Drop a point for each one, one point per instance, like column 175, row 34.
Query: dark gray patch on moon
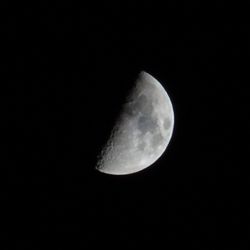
column 167, row 123
column 141, row 105
column 142, row 145
column 157, row 140
column 147, row 124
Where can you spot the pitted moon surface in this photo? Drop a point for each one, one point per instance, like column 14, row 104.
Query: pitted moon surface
column 142, row 132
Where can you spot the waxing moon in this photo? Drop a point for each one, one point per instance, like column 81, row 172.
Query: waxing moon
column 142, row 131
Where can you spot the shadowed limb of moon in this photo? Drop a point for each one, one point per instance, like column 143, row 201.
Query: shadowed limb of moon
column 142, row 131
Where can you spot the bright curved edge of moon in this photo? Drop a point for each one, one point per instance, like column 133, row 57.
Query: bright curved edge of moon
column 145, row 80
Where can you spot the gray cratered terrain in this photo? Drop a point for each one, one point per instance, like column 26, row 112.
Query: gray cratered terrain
column 142, row 132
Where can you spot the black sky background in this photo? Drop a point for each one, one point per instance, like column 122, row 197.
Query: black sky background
column 65, row 73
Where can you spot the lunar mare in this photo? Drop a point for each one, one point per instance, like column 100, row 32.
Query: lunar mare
column 142, row 131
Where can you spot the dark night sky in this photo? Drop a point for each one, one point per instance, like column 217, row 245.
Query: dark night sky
column 66, row 71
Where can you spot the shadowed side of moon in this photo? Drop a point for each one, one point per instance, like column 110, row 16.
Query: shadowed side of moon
column 142, row 132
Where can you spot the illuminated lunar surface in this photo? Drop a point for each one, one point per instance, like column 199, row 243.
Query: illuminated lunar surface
column 142, row 132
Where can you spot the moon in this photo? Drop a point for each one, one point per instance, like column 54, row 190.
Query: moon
column 142, row 131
